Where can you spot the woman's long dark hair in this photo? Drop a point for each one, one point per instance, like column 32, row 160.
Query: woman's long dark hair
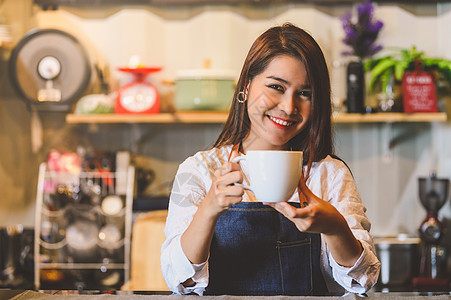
column 315, row 139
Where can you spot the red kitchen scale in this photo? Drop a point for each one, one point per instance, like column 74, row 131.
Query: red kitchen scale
column 138, row 96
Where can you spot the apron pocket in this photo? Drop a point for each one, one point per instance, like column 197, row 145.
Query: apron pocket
column 295, row 261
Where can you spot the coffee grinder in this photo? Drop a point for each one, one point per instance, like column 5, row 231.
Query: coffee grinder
column 433, row 195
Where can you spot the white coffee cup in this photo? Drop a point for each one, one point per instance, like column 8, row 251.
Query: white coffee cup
column 273, row 174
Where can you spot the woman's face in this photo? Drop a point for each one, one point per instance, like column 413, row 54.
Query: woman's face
column 279, row 101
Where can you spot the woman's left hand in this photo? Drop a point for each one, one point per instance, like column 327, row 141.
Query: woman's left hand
column 319, row 216
column 315, row 214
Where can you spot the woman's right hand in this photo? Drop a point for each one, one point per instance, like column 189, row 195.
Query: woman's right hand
column 223, row 192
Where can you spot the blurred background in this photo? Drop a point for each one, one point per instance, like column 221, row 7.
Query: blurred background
column 387, row 157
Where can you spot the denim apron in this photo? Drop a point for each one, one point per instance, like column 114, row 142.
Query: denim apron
column 257, row 251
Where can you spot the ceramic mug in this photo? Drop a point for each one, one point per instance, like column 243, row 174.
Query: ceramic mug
column 273, row 175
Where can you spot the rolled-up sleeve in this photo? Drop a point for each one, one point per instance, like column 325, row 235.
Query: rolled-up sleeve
column 360, row 277
column 177, row 269
column 187, row 192
column 338, row 186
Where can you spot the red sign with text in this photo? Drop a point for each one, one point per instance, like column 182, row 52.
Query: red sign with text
column 419, row 92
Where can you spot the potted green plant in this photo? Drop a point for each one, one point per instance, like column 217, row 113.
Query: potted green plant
column 394, row 64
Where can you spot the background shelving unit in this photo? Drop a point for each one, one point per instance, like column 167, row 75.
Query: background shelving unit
column 54, row 256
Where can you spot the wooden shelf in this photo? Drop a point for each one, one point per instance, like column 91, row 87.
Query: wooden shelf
column 220, row 117
column 390, row 117
column 178, row 117
column 71, row 266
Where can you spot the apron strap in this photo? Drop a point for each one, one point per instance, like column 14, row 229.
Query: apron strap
column 236, row 147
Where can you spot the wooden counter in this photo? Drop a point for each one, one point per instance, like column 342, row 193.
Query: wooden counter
column 69, row 295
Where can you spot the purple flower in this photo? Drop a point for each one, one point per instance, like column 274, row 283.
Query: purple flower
column 375, row 49
column 361, row 35
column 366, row 9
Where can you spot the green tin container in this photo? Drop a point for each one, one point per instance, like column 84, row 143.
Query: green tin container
column 204, row 90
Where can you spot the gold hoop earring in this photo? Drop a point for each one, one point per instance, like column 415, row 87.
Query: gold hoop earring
column 241, row 97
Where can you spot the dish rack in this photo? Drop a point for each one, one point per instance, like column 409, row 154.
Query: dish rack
column 82, row 229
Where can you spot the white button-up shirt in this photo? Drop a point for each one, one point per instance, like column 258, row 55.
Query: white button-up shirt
column 329, row 179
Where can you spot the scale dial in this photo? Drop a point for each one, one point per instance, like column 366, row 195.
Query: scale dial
column 49, row 67
column 138, row 98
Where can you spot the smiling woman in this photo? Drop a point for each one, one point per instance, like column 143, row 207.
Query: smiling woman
column 279, row 104
column 306, row 79
column 221, row 240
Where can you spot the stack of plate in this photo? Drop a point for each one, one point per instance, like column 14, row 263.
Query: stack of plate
column 5, row 34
